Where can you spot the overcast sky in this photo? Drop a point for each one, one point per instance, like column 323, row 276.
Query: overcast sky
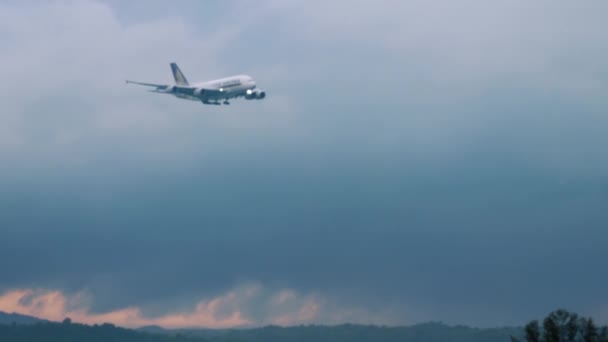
column 413, row 161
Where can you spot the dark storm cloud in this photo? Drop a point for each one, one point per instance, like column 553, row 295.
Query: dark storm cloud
column 419, row 174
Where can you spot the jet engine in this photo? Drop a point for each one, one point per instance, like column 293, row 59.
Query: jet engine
column 255, row 94
column 198, row 92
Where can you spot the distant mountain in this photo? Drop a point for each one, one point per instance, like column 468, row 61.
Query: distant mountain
column 26, row 330
column 74, row 332
column 154, row 329
column 428, row 332
column 10, row 318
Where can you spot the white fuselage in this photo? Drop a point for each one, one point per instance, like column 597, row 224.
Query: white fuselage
column 227, row 88
column 210, row 92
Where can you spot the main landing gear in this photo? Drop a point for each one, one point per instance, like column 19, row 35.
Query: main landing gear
column 215, row 103
column 211, row 103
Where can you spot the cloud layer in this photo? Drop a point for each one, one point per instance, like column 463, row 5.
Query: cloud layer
column 55, row 306
column 244, row 306
column 412, row 162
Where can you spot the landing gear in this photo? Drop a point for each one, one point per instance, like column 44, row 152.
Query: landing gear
column 215, row 103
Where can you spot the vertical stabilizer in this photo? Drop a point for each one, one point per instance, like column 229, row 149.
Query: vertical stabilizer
column 179, row 77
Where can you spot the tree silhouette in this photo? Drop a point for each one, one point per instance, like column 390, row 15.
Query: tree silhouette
column 551, row 331
column 603, row 337
column 532, row 332
column 564, row 326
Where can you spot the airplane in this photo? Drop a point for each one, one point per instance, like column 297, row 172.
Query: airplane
column 210, row 92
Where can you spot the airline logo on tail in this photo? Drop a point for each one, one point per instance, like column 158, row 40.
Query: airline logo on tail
column 179, row 77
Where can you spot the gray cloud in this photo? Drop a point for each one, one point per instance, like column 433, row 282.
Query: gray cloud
column 417, row 161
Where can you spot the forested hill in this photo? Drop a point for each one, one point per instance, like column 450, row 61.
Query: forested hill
column 9, row 318
column 70, row 332
column 431, row 332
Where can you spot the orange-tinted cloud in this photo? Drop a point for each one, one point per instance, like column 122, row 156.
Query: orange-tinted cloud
column 53, row 305
column 306, row 313
column 246, row 305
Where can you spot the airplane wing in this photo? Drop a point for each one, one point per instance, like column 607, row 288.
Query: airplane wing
column 193, row 91
column 158, row 86
column 190, row 91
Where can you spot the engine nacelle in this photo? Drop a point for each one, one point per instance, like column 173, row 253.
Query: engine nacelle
column 255, row 94
column 251, row 94
column 199, row 92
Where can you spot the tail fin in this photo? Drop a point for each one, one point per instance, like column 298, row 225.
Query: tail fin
column 179, row 77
